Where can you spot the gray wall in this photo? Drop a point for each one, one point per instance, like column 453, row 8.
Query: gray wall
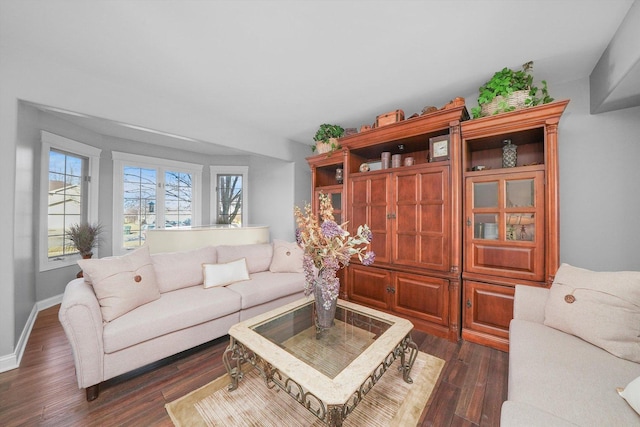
column 599, row 184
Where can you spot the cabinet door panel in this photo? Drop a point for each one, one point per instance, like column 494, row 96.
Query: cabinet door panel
column 369, row 201
column 488, row 308
column 423, row 297
column 421, row 227
column 522, row 259
column 369, row 286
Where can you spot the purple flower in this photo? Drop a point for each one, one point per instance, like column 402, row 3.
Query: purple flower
column 331, row 263
column 368, row 258
column 367, row 234
column 330, row 229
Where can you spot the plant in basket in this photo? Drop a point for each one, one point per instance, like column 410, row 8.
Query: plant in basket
column 510, row 90
column 328, row 247
column 326, row 138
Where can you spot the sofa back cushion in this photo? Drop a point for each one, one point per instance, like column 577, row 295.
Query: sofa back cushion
column 176, row 270
column 258, row 255
column 122, row 283
column 287, row 257
column 602, row 308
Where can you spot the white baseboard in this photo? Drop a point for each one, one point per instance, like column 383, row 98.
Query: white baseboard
column 12, row 360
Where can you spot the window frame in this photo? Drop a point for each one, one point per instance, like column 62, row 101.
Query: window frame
column 120, row 160
column 51, row 141
column 228, row 170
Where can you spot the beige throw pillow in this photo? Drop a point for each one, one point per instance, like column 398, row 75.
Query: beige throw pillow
column 225, row 273
column 602, row 308
column 287, row 257
column 122, row 283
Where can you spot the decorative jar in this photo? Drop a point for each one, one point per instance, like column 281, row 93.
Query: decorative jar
column 509, row 154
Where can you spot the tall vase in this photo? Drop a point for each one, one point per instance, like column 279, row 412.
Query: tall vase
column 324, row 317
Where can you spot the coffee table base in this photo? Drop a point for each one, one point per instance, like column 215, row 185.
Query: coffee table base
column 333, row 415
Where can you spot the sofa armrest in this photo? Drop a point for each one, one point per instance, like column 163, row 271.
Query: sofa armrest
column 529, row 303
column 81, row 320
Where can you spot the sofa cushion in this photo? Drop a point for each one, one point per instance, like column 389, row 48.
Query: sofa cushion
column 631, row 393
column 175, row 270
column 266, row 286
column 518, row 414
column 122, row 283
column 225, row 273
column 258, row 255
column 568, row 377
column 600, row 307
column 175, row 310
column 287, row 257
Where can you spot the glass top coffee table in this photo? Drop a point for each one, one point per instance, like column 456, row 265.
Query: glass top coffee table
column 327, row 371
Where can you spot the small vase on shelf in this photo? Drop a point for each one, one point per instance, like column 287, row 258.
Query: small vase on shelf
column 509, row 154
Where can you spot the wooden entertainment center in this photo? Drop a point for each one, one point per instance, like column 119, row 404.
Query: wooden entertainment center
column 454, row 231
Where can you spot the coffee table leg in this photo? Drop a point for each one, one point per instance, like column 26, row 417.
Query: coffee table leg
column 334, row 415
column 232, row 359
column 406, row 365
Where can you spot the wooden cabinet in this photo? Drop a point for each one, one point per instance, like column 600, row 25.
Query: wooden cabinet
column 414, row 214
column 424, row 299
column 452, row 237
column 408, row 212
column 511, row 233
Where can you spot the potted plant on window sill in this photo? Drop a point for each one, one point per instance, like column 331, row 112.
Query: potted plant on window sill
column 510, row 90
column 327, row 138
column 85, row 237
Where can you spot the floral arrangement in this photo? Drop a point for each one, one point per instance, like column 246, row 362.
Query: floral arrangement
column 328, row 247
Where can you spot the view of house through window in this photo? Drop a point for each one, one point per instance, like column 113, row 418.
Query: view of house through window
column 229, row 196
column 150, row 202
column 67, row 204
column 140, row 197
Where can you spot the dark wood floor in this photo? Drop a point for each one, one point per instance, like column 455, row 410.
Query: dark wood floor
column 43, row 390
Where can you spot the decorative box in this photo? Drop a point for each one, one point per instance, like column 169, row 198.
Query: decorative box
column 389, row 118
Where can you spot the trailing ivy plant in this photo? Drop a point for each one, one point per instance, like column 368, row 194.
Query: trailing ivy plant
column 504, row 83
column 326, row 132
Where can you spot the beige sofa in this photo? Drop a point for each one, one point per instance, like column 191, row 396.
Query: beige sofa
column 559, row 379
column 180, row 314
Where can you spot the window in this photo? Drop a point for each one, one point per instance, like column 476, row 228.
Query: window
column 229, row 202
column 69, row 183
column 152, row 193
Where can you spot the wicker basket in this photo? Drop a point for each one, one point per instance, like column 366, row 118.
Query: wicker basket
column 516, row 99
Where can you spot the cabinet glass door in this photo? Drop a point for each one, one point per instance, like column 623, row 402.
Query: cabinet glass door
column 485, row 206
column 504, row 212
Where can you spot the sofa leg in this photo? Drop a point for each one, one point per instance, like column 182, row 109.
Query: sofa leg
column 92, row 392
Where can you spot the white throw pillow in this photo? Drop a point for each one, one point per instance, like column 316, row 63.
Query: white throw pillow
column 602, row 308
column 225, row 273
column 631, row 393
column 122, row 283
column 287, row 257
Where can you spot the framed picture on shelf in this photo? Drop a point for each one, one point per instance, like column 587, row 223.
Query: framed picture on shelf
column 439, row 148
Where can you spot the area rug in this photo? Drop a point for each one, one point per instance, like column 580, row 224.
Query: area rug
column 392, row 402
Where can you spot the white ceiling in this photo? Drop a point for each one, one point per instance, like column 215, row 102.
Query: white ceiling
column 285, row 67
